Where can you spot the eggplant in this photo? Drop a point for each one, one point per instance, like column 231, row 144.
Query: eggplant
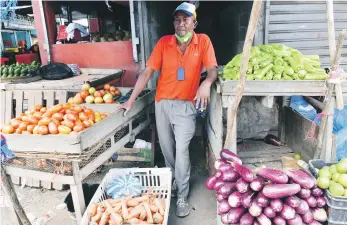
column 228, row 155
column 223, row 207
column 287, row 212
column 227, row 189
column 295, row 221
column 230, row 175
column 273, row 175
column 307, row 217
column 301, row 177
column 304, row 193
column 224, row 218
column 247, row 199
column 276, row 205
column 320, row 215
column 293, row 201
column 257, row 184
column 235, row 199
column 303, row 208
column 235, row 214
column 264, row 220
column 218, row 163
column 247, row 219
column 272, row 140
column 280, row 190
column 244, row 172
column 317, row 192
column 220, row 198
column 311, row 201
column 269, row 212
column 255, row 210
column 218, row 185
column 210, row 182
column 262, row 200
column 279, row 221
column 242, row 186
column 321, row 202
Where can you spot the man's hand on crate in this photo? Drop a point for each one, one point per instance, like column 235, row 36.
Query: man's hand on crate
column 126, row 106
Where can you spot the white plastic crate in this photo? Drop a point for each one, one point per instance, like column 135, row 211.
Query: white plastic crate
column 158, row 179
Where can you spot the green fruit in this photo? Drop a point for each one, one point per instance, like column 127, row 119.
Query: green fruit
column 325, row 173
column 343, row 160
column 335, row 177
column 336, row 189
column 341, row 167
column 323, row 182
column 333, row 169
column 297, row 156
column 345, row 194
column 343, row 180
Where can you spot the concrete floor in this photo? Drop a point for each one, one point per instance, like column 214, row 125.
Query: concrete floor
column 38, row 202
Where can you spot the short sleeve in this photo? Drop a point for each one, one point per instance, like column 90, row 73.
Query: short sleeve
column 209, row 57
column 155, row 60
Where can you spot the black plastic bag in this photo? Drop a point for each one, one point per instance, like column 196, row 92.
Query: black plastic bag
column 55, row 71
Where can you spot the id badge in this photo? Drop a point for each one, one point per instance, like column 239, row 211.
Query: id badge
column 180, row 73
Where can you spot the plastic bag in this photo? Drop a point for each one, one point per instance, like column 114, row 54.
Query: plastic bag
column 56, row 71
column 300, row 105
column 341, row 144
column 340, row 120
column 6, row 153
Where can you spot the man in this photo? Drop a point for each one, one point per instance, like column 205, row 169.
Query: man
column 181, row 58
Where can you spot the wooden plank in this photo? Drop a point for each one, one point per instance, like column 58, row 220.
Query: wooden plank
column 36, row 183
column 15, row 179
column 265, row 153
column 49, row 96
column 94, row 134
column 58, row 186
column 61, row 96
column 9, row 106
column 77, row 193
column 19, row 97
column 15, row 171
column 46, row 184
column 3, row 107
column 269, row 158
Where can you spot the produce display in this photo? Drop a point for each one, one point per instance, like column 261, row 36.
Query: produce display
column 90, row 95
column 118, row 35
column 20, row 70
column 58, row 119
column 128, row 206
column 276, row 62
column 334, row 178
column 268, row 196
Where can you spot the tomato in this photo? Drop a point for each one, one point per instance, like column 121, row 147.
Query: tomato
column 23, row 125
column 82, row 116
column 64, row 129
column 43, row 130
column 38, row 115
column 87, row 123
column 8, row 129
column 71, row 111
column 18, row 131
column 91, row 117
column 70, row 100
column 71, row 116
column 58, row 116
column 15, row 123
column 57, row 122
column 33, row 120
column 26, row 132
column 84, row 94
column 78, row 127
column 44, row 121
column 78, row 122
column 77, row 108
column 62, row 111
column 30, row 128
column 67, row 105
column 53, row 128
column 38, row 107
column 68, row 123
column 57, row 108
column 97, row 119
column 43, row 109
column 36, row 129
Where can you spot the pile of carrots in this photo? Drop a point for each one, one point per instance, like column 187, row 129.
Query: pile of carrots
column 146, row 209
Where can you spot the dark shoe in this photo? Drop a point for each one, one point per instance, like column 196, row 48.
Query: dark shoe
column 183, row 208
column 174, row 189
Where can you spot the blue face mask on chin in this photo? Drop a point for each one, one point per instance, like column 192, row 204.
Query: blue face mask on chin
column 185, row 38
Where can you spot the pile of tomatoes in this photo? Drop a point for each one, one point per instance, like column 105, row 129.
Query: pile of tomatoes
column 58, row 119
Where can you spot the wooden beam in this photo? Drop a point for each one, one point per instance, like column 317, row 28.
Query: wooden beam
column 255, row 13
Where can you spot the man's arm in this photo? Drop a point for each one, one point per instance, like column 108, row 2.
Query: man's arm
column 141, row 83
column 211, row 75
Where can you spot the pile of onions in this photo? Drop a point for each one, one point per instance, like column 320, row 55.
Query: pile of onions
column 268, row 197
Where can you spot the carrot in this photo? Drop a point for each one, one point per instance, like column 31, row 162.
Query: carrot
column 116, row 218
column 104, row 218
column 124, row 209
column 92, row 210
column 143, row 213
column 149, row 213
column 153, row 208
column 158, row 218
column 97, row 217
column 158, row 203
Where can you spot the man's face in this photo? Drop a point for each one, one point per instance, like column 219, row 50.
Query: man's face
column 183, row 23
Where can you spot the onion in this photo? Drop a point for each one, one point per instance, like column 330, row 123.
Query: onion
column 304, row 193
column 293, row 201
column 257, row 184
column 317, row 192
column 276, row 205
column 223, row 207
column 220, row 197
column 279, row 221
column 303, row 208
column 307, row 217
column 295, row 221
column 311, row 201
column 287, row 212
column 262, row 200
column 321, row 202
column 242, row 186
column 255, row 210
column 269, row 212
column 235, row 199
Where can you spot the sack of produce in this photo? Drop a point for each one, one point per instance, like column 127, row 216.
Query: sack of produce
column 56, row 71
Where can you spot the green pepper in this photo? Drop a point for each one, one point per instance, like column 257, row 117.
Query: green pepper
column 235, row 61
column 278, row 61
column 278, row 69
column 295, row 76
column 249, row 77
column 320, row 76
column 302, row 73
column 312, row 57
column 269, row 75
column 265, row 63
column 296, row 66
column 286, row 77
column 250, row 69
column 255, row 51
column 288, row 70
column 281, row 53
column 277, row 76
column 266, row 48
column 261, row 74
column 256, row 67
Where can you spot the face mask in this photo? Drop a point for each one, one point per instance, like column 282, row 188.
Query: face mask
column 185, row 38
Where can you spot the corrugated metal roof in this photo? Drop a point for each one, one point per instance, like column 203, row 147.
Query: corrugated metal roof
column 303, row 25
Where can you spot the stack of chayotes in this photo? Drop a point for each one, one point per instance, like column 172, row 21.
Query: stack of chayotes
column 276, row 62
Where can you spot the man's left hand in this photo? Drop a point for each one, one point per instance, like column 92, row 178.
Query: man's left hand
column 203, row 95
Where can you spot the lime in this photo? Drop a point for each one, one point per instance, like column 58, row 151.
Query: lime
column 297, row 156
column 323, row 182
column 325, row 173
column 345, row 194
column 333, row 169
column 336, row 189
column 341, row 167
column 335, row 177
column 343, row 180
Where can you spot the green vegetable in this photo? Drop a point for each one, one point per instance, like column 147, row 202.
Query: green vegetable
column 265, row 63
column 269, row 75
column 256, row 67
column 321, row 76
column 312, row 57
column 336, row 189
column 250, row 69
column 323, row 182
column 288, row 70
column 278, row 61
column 236, row 61
column 286, row 77
column 281, row 53
column 294, row 64
column 255, row 51
column 277, row 76
column 279, row 46
column 278, row 69
column 295, row 76
column 266, row 48
column 261, row 74
column 249, row 77
column 312, row 62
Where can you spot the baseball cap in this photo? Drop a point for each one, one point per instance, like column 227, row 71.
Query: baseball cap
column 187, row 8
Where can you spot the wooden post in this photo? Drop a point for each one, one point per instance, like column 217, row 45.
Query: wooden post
column 328, row 110
column 8, row 187
column 255, row 13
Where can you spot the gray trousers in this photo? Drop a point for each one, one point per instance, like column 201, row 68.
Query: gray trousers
column 175, row 121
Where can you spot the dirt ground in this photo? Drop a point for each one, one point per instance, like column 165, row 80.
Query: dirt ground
column 38, row 202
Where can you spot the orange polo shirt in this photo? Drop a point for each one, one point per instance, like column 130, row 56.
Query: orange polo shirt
column 168, row 57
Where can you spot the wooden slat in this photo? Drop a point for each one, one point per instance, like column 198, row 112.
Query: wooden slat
column 36, row 183
column 46, row 184
column 61, row 96
column 49, row 95
column 269, row 158
column 264, row 153
column 9, row 106
column 3, row 107
column 15, row 179
column 18, row 95
column 57, row 186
